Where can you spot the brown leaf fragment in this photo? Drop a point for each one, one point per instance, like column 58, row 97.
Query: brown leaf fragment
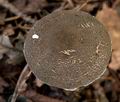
column 38, row 82
column 5, row 41
column 110, row 19
column 15, row 57
column 35, row 6
column 6, row 4
column 5, row 44
column 3, row 83
column 20, row 41
column 36, row 97
column 20, row 4
column 1, row 99
column 9, row 30
column 2, row 18
column 115, row 63
column 3, row 50
column 100, row 94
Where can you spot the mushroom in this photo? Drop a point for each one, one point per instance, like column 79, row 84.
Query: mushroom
column 68, row 49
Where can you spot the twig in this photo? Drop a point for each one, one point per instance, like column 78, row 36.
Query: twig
column 71, row 3
column 24, row 27
column 12, row 18
column 83, row 5
column 14, row 10
column 115, row 76
column 21, row 83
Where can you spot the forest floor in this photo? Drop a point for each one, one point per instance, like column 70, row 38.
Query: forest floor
column 16, row 19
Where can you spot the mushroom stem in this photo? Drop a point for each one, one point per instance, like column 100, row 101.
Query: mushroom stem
column 21, row 82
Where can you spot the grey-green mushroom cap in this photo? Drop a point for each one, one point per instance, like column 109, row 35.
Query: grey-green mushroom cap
column 68, row 49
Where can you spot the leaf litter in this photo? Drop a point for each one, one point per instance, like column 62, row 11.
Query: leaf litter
column 14, row 24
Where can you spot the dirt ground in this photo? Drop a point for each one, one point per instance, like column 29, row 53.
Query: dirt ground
column 16, row 19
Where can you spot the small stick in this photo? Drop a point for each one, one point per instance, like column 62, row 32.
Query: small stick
column 83, row 5
column 24, row 27
column 12, row 18
column 14, row 10
column 21, row 83
column 71, row 3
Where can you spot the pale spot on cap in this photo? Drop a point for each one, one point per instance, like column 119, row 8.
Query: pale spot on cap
column 35, row 36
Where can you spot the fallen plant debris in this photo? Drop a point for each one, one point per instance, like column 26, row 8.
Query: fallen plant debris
column 113, row 26
column 17, row 18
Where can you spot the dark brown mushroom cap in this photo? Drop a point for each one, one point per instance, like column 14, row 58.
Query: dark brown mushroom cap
column 68, row 49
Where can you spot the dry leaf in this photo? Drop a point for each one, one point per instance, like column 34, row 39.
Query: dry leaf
column 1, row 99
column 2, row 85
column 115, row 64
column 35, row 5
column 9, row 30
column 15, row 57
column 2, row 18
column 111, row 20
column 38, row 82
column 3, row 50
column 20, row 4
column 5, row 41
column 36, row 97
column 20, row 41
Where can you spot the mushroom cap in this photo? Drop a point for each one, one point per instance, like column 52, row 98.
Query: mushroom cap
column 68, row 49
